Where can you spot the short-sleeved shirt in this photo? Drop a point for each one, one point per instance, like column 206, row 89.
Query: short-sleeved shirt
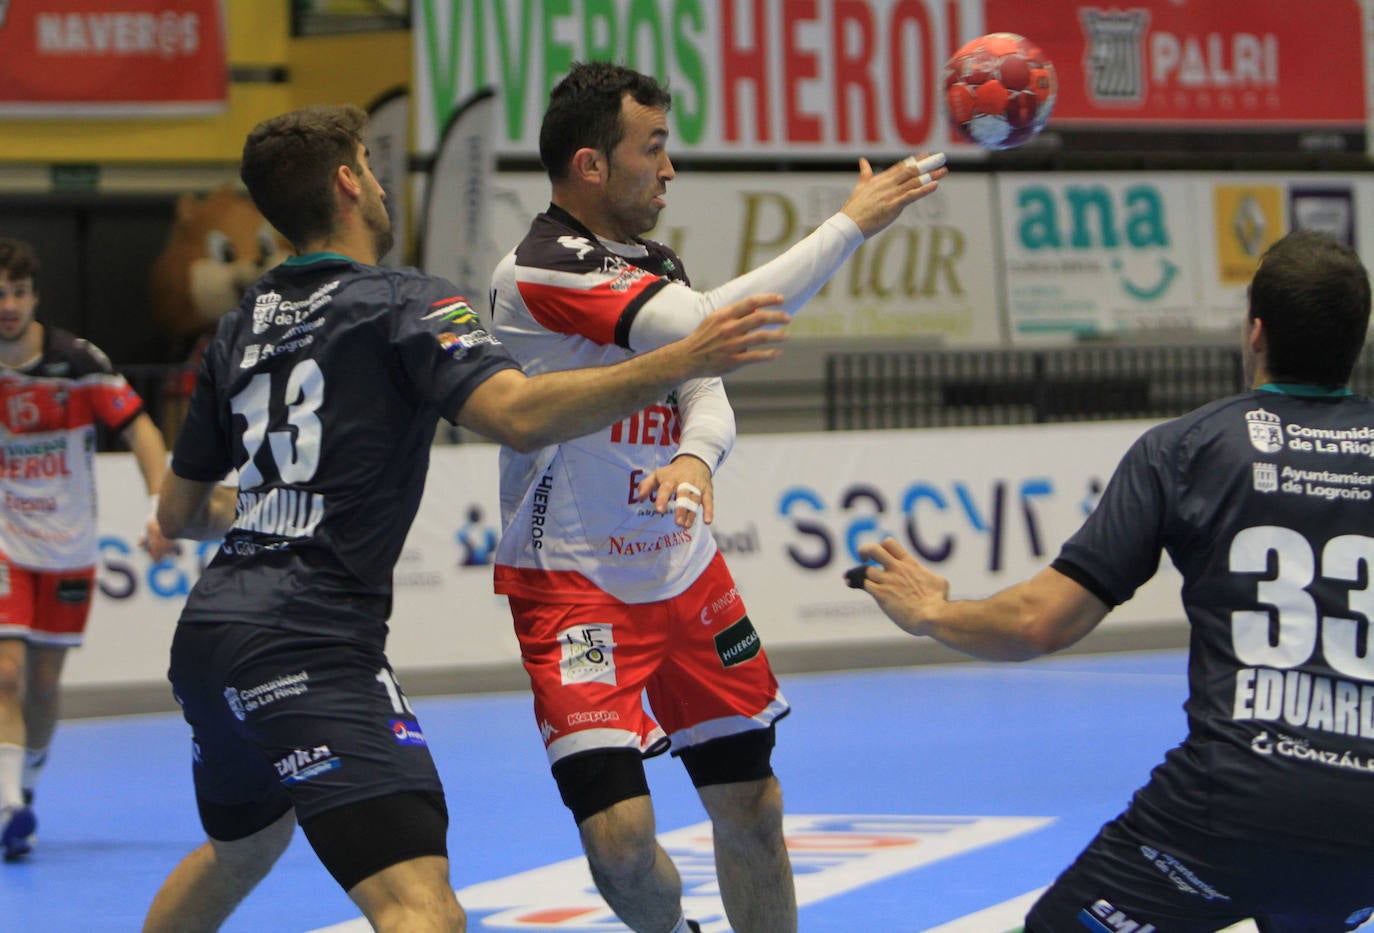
column 564, row 299
column 1265, row 503
column 48, row 416
column 323, row 390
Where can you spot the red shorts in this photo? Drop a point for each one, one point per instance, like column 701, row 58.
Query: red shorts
column 47, row 607
column 696, row 656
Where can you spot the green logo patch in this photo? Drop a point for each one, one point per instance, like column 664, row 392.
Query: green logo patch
column 738, row 643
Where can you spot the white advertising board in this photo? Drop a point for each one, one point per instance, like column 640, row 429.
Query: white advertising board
column 986, row 506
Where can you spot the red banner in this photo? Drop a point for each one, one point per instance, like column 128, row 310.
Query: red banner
column 112, row 57
column 1198, row 63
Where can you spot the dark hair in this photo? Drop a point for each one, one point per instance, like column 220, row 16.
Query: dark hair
column 289, row 164
column 1312, row 293
column 584, row 111
column 18, row 259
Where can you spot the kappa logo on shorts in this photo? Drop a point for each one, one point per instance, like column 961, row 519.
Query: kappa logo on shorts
column 738, row 643
column 588, row 654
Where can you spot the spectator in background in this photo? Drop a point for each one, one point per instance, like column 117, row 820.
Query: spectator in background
column 54, row 390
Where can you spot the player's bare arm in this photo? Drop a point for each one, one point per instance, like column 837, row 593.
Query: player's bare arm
column 1035, row 617
column 528, row 413
column 685, row 486
column 879, row 198
column 190, row 509
column 145, row 440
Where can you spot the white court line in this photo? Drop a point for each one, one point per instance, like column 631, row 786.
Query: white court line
column 1007, row 915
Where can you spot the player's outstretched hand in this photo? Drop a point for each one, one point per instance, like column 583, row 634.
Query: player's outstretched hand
column 879, row 198
column 739, row 334
column 684, row 485
column 908, row 592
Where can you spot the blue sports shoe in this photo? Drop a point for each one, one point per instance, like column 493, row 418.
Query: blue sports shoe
column 17, row 837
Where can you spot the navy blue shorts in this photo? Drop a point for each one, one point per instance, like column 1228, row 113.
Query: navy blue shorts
column 282, row 720
column 1144, row 872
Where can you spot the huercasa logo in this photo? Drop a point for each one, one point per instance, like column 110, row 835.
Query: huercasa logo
column 738, row 643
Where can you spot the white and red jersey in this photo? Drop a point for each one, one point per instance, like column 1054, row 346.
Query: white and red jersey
column 572, row 530
column 48, row 413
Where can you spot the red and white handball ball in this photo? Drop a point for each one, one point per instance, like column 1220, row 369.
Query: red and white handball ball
column 999, row 90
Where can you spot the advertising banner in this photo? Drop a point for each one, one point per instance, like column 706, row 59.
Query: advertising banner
column 748, row 79
column 112, row 57
column 1210, row 64
column 932, row 274
column 1155, row 255
column 984, row 506
column 1098, row 255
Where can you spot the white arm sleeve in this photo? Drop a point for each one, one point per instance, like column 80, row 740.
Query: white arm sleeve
column 797, row 275
column 708, row 421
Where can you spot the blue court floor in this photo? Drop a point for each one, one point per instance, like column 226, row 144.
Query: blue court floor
column 931, row 798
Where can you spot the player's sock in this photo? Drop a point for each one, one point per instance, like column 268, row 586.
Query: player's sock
column 34, row 760
column 685, row 926
column 11, row 774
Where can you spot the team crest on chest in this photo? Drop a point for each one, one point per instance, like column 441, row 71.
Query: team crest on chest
column 1266, row 430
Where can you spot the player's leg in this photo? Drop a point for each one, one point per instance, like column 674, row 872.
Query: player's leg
column 390, row 854
column 718, row 698
column 1126, row 878
column 744, row 800
column 16, row 618
column 243, row 807
column 16, row 818
column 203, row 890
column 41, row 698
column 609, row 798
column 13, row 659
column 587, row 666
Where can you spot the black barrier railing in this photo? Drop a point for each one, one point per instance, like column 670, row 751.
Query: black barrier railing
column 949, row 388
column 927, row 388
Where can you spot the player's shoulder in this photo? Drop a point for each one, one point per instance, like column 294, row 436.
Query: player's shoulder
column 65, row 353
column 558, row 240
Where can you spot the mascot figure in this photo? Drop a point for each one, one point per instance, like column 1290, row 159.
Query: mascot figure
column 218, row 245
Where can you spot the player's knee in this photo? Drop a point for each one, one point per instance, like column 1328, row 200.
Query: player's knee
column 748, row 812
column 11, row 676
column 422, row 911
column 620, row 841
column 253, row 855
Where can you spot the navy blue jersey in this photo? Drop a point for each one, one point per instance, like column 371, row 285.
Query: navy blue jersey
column 1265, row 504
column 323, row 389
